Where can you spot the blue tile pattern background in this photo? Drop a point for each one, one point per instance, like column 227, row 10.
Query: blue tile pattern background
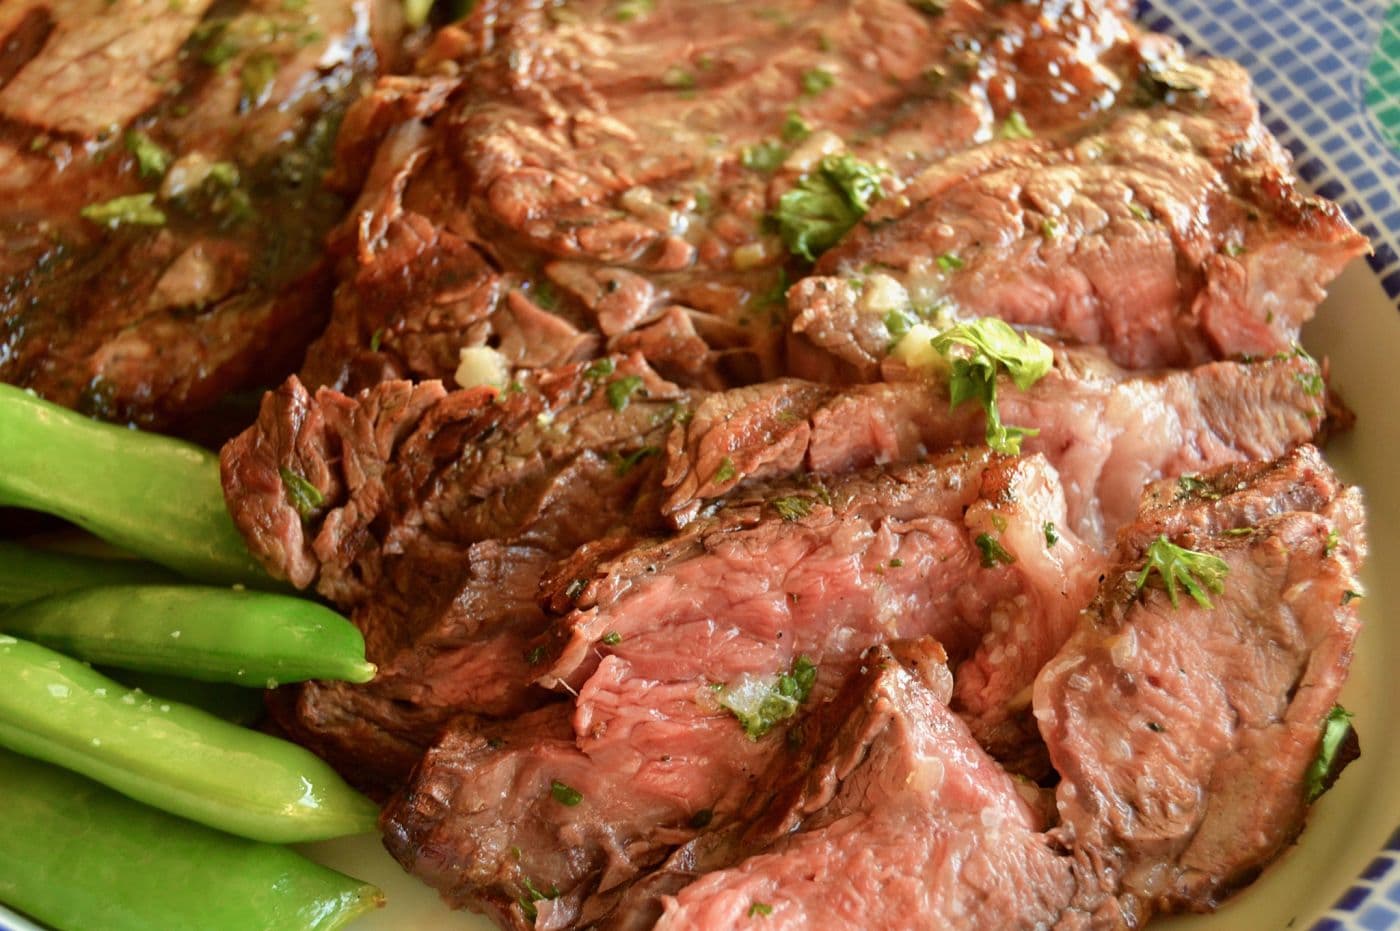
column 1312, row 66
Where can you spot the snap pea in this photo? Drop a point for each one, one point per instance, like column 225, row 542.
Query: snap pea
column 157, row 497
column 229, row 702
column 174, row 757
column 214, row 634
column 77, row 856
column 27, row 573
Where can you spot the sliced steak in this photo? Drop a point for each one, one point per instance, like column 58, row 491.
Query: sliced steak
column 907, row 816
column 1184, row 735
column 1107, row 432
column 1170, row 235
column 600, row 178
column 430, row 516
column 662, row 635
column 161, row 198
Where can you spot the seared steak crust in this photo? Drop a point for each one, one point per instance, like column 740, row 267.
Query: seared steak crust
column 436, row 514
column 222, row 115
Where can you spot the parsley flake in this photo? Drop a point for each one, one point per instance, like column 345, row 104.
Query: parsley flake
column 301, row 494
column 993, row 553
column 130, row 210
column 1189, row 569
column 792, row 507
column 1015, row 127
column 760, row 703
column 725, row 472
column 760, row 909
column 152, row 161
column 620, row 391
column 994, row 346
column 826, row 203
column 1052, row 536
column 1334, row 730
column 565, row 795
column 816, row 81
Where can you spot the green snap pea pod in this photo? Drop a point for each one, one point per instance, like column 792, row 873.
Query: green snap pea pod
column 157, row 497
column 229, row 702
column 214, row 634
column 77, row 856
column 174, row 757
column 27, row 573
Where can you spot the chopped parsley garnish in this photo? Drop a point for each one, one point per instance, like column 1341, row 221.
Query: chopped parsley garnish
column 152, row 161
column 816, row 81
column 612, row 638
column 993, row 553
column 1234, row 249
column 1332, row 540
column 565, row 795
column 1312, row 383
column 1015, row 127
column 930, row 7
column 792, row 507
column 725, row 472
column 795, row 128
column 620, row 391
column 1052, row 536
column 761, row 703
column 544, row 295
column 1049, row 228
column 415, row 12
column 949, row 262
column 600, row 368
column 624, row 464
column 1349, row 596
column 301, row 494
column 760, row 909
column 825, row 204
column 995, row 346
column 678, row 78
column 1193, row 486
column 764, row 156
column 896, row 563
column 1334, row 730
column 256, row 78
column 130, row 210
column 534, row 655
column 531, row 895
column 1189, row 569
column 376, row 339
column 628, row 10
column 1139, row 211
column 575, row 588
column 1154, row 727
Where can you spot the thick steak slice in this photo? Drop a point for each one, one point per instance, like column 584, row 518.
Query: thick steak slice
column 221, row 117
column 920, row 822
column 659, row 637
column 598, row 179
column 430, row 516
column 1107, row 432
column 1184, row 735
column 1170, row 235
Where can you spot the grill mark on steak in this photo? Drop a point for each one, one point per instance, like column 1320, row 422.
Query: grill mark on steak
column 1182, row 735
column 1106, row 431
column 439, row 513
column 742, row 593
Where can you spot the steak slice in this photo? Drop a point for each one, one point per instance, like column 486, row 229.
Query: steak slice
column 906, row 816
column 217, row 119
column 429, row 517
column 1184, row 735
column 1107, row 432
column 600, row 178
column 659, row 636
column 1171, row 236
